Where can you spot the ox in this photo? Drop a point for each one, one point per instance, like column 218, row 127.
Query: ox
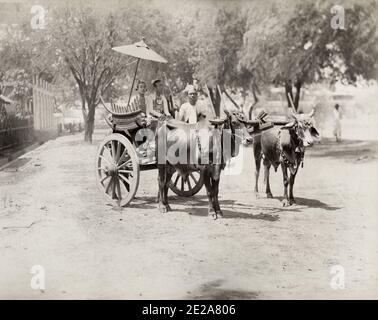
column 201, row 147
column 286, row 146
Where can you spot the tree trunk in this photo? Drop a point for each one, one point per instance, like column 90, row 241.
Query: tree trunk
column 89, row 123
column 289, row 92
column 298, row 85
column 255, row 90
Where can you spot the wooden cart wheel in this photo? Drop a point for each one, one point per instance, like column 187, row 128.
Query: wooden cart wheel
column 186, row 187
column 117, row 169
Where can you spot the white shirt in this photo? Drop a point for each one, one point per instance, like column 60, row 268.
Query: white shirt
column 150, row 104
column 188, row 113
column 337, row 114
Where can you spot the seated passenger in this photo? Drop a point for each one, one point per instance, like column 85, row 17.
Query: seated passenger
column 140, row 98
column 157, row 101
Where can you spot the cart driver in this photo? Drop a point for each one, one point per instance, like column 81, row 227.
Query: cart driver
column 191, row 109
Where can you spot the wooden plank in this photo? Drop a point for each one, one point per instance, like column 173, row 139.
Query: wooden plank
column 47, row 109
column 43, row 97
column 37, row 109
column 34, row 99
column 39, row 103
column 43, row 104
column 50, row 112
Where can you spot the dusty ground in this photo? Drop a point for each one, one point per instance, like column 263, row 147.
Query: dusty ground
column 53, row 215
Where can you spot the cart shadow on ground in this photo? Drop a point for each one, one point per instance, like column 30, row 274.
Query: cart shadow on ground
column 198, row 206
column 232, row 209
column 312, row 203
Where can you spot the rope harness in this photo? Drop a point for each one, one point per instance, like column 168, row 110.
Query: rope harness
column 299, row 148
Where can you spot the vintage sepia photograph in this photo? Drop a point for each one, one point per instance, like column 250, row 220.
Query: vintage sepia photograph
column 188, row 150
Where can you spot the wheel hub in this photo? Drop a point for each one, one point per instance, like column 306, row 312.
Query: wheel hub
column 113, row 171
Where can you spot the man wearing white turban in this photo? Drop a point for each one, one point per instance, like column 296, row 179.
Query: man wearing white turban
column 189, row 110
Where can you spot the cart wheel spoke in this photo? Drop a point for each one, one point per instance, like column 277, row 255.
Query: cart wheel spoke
column 119, row 190
column 106, row 170
column 193, row 177
column 104, row 178
column 114, row 185
column 109, row 185
column 124, row 178
column 124, row 153
column 117, row 169
column 112, row 143
column 125, row 171
column 194, row 182
column 126, row 182
column 106, row 160
column 108, row 148
column 118, row 151
column 188, row 182
column 128, row 163
column 177, row 179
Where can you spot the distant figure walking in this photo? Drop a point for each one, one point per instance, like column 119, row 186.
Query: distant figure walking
column 337, row 123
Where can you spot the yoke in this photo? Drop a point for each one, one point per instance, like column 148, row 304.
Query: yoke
column 177, row 124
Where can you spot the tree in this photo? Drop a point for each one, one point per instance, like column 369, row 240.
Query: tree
column 249, row 45
column 83, row 38
column 319, row 52
column 296, row 45
column 231, row 23
column 261, row 53
column 15, row 68
column 213, row 39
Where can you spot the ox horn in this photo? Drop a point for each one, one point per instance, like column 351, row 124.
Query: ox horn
column 288, row 125
column 292, row 109
column 293, row 113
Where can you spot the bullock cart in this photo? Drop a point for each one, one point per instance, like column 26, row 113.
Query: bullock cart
column 118, row 162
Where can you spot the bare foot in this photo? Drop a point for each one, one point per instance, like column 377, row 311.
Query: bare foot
column 285, row 203
column 164, row 208
column 219, row 214
column 212, row 213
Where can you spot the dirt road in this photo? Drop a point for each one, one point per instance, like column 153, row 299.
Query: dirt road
column 52, row 214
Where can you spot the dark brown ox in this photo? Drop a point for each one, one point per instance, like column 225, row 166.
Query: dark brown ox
column 201, row 147
column 284, row 145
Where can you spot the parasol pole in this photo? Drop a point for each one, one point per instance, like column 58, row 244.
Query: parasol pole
column 132, row 85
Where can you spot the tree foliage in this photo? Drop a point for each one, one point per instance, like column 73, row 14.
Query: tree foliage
column 248, row 44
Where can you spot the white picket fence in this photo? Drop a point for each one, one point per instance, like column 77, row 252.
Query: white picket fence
column 43, row 105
